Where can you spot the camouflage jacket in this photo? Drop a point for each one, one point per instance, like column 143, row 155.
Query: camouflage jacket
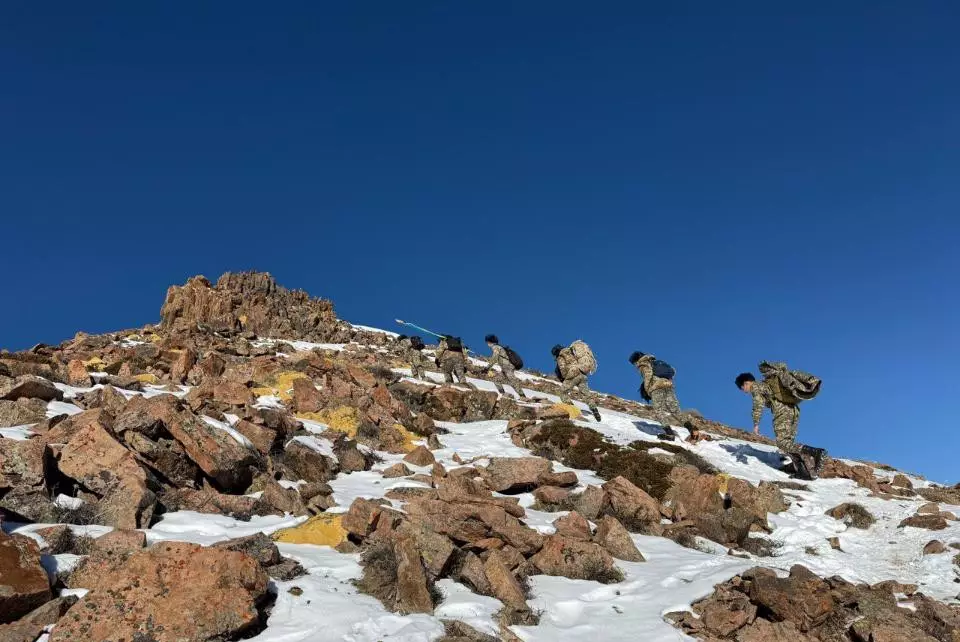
column 650, row 381
column 567, row 364
column 498, row 357
column 446, row 354
column 762, row 398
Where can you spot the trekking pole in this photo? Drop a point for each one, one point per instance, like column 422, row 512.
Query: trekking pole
column 439, row 336
column 412, row 325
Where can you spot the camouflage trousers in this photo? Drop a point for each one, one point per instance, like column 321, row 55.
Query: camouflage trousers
column 417, row 363
column 785, row 420
column 665, row 407
column 576, row 382
column 508, row 375
column 454, row 365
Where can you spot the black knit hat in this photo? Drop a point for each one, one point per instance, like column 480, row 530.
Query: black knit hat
column 401, row 337
column 555, row 350
column 492, row 338
column 635, row 357
column 743, row 378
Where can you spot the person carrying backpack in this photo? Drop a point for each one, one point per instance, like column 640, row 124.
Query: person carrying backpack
column 412, row 351
column 452, row 360
column 574, row 364
column 508, row 360
column 782, row 390
column 658, row 389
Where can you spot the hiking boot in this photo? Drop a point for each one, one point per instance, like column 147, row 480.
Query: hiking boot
column 596, row 413
column 665, row 436
column 813, row 459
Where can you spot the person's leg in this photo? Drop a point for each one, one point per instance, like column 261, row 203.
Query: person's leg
column 509, row 374
column 566, row 387
column 785, row 420
column 660, row 404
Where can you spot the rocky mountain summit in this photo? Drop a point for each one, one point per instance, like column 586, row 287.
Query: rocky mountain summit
column 253, row 467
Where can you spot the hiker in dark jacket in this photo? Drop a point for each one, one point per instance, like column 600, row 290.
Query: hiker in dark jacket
column 499, row 357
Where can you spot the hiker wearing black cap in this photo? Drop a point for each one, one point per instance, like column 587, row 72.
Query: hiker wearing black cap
column 507, row 360
column 657, row 388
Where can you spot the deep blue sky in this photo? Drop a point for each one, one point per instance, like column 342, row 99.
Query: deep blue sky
column 716, row 183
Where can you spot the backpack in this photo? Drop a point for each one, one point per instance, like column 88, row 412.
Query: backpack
column 513, row 358
column 417, row 343
column 789, row 386
column 584, row 357
column 454, row 344
column 663, row 370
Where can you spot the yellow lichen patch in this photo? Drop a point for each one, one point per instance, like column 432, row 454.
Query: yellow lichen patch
column 408, row 438
column 146, row 377
column 279, row 384
column 243, row 319
column 569, row 408
column 345, row 419
column 153, row 337
column 322, row 530
column 96, row 364
column 134, row 337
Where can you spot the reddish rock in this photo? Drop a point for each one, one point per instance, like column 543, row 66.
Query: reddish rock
column 503, row 585
column 308, row 463
column 934, row 547
column 930, row 522
column 766, row 631
column 182, row 366
column 590, row 502
column 77, row 374
column 614, row 537
column 209, row 501
column 472, row 573
column 361, row 519
column 22, row 412
column 470, row 522
column 413, row 593
column 22, row 487
column 29, row 387
column 901, row 481
column 119, row 542
column 32, row 625
column 515, row 474
column 283, row 500
column 802, row 598
column 170, row 592
column 87, row 453
column 23, row 582
column 233, row 394
column 306, row 396
column 576, row 559
column 564, row 480
column 397, row 470
column 552, row 496
column 632, row 506
column 420, row 456
column 263, row 439
column 572, row 525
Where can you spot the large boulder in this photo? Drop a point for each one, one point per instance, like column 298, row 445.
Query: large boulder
column 28, row 387
column 577, row 559
column 21, row 412
column 209, row 501
column 453, row 404
column 168, row 593
column 214, row 450
column 515, row 474
column 32, row 625
column 85, row 451
column 306, row 458
column 23, row 488
column 634, row 508
column 23, row 582
column 616, row 540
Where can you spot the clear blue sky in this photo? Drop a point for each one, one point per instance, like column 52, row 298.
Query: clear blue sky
column 716, row 183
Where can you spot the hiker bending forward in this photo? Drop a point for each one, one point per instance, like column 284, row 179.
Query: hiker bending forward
column 570, row 371
column 660, row 391
column 785, row 416
column 499, row 357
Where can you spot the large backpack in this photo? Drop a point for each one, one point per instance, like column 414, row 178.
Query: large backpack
column 663, row 370
column 513, row 358
column 454, row 344
column 416, row 343
column 583, row 355
column 789, row 386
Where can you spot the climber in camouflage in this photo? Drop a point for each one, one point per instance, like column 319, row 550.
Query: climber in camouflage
column 571, row 377
column 660, row 390
column 499, row 357
column 785, row 416
column 411, row 350
column 452, row 362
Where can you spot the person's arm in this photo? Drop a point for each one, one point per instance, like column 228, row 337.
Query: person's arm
column 757, row 409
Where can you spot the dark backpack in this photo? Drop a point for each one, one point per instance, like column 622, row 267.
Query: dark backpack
column 454, row 344
column 513, row 357
column 417, row 343
column 663, row 370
